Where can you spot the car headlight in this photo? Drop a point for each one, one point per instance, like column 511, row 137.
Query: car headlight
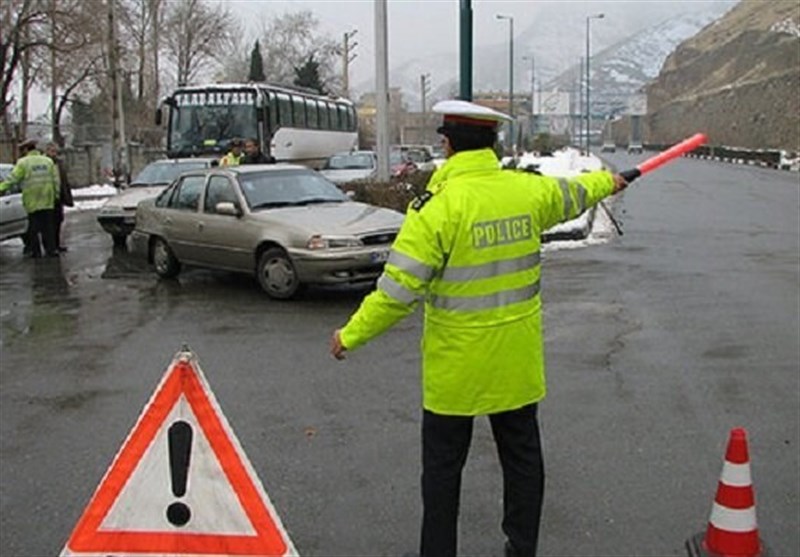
column 318, row 241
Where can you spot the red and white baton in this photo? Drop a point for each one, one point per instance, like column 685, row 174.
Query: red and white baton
column 664, row 157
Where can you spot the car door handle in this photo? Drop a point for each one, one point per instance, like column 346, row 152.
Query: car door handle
column 200, row 226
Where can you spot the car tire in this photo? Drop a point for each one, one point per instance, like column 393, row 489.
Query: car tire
column 164, row 261
column 276, row 274
column 119, row 240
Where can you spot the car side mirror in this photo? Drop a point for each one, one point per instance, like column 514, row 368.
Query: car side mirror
column 228, row 208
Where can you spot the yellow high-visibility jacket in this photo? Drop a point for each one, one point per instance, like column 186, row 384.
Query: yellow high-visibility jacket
column 231, row 159
column 41, row 185
column 471, row 251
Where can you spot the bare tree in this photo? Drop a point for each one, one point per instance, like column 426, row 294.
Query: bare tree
column 21, row 30
column 195, row 33
column 289, row 40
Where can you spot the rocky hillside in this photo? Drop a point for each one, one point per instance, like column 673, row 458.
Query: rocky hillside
column 738, row 80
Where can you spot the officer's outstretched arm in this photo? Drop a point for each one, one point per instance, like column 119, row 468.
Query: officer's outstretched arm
column 567, row 198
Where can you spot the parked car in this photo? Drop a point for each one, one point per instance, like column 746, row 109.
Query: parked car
column 351, row 166
column 13, row 218
column 286, row 224
column 400, row 164
column 608, row 146
column 117, row 216
column 422, row 158
column 635, row 147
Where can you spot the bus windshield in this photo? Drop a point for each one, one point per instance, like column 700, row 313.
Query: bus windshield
column 208, row 128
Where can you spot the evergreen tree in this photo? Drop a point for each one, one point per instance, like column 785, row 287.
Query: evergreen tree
column 307, row 76
column 256, row 65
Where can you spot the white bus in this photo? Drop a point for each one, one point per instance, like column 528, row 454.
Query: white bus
column 292, row 125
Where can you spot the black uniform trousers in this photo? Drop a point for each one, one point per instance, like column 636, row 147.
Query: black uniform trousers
column 42, row 223
column 445, row 444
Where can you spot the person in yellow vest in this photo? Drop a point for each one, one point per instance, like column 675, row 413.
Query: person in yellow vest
column 41, row 186
column 469, row 248
column 235, row 155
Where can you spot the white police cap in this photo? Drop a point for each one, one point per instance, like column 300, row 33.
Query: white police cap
column 468, row 113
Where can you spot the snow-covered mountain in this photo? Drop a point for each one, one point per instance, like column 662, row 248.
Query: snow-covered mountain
column 557, row 41
column 622, row 69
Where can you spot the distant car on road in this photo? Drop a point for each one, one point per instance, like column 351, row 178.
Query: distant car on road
column 635, row 147
column 351, row 166
column 286, row 224
column 608, row 147
column 13, row 218
column 117, row 216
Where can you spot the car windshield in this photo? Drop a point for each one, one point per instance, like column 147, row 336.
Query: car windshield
column 416, row 156
column 350, row 161
column 397, row 157
column 165, row 172
column 5, row 170
column 282, row 188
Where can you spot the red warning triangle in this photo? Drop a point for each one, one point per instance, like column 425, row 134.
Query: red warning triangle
column 224, row 509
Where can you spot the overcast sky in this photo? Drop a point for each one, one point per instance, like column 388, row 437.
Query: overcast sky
column 419, row 27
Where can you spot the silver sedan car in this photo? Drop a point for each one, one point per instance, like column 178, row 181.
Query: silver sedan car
column 286, row 224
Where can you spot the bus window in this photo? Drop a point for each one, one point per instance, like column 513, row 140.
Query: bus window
column 342, row 109
column 351, row 119
column 284, row 110
column 273, row 121
column 311, row 113
column 333, row 113
column 299, row 111
column 324, row 117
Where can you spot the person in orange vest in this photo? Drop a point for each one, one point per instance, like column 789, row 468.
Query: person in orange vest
column 235, row 155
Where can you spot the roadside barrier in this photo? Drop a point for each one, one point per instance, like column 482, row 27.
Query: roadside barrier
column 732, row 528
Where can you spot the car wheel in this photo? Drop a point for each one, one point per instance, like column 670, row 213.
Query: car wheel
column 277, row 275
column 167, row 266
column 119, row 240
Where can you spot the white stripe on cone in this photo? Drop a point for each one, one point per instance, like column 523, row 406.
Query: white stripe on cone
column 736, row 475
column 733, row 520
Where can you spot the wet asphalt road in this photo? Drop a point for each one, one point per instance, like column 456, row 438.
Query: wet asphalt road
column 658, row 343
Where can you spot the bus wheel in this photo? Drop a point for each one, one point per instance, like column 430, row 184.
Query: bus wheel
column 277, row 275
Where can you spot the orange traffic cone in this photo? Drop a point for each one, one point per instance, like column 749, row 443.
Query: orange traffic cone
column 732, row 528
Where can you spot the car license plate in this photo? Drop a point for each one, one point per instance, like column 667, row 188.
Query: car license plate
column 379, row 256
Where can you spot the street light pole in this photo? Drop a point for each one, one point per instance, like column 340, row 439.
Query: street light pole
column 532, row 58
column 588, row 87
column 510, row 73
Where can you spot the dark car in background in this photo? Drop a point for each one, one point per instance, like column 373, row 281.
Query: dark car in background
column 287, row 225
column 117, row 216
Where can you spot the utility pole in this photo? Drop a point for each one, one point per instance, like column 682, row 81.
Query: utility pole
column 588, row 80
column 532, row 58
column 55, row 136
column 465, row 51
column 119, row 160
column 424, row 86
column 382, row 90
column 346, row 59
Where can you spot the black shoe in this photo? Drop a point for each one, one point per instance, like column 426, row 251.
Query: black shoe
column 62, row 249
column 509, row 550
column 53, row 254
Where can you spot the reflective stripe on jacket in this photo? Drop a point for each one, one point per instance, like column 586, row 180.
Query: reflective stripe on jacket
column 471, row 252
column 40, row 182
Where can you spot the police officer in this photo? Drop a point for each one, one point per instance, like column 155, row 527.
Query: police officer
column 470, row 248
column 235, row 155
column 41, row 185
